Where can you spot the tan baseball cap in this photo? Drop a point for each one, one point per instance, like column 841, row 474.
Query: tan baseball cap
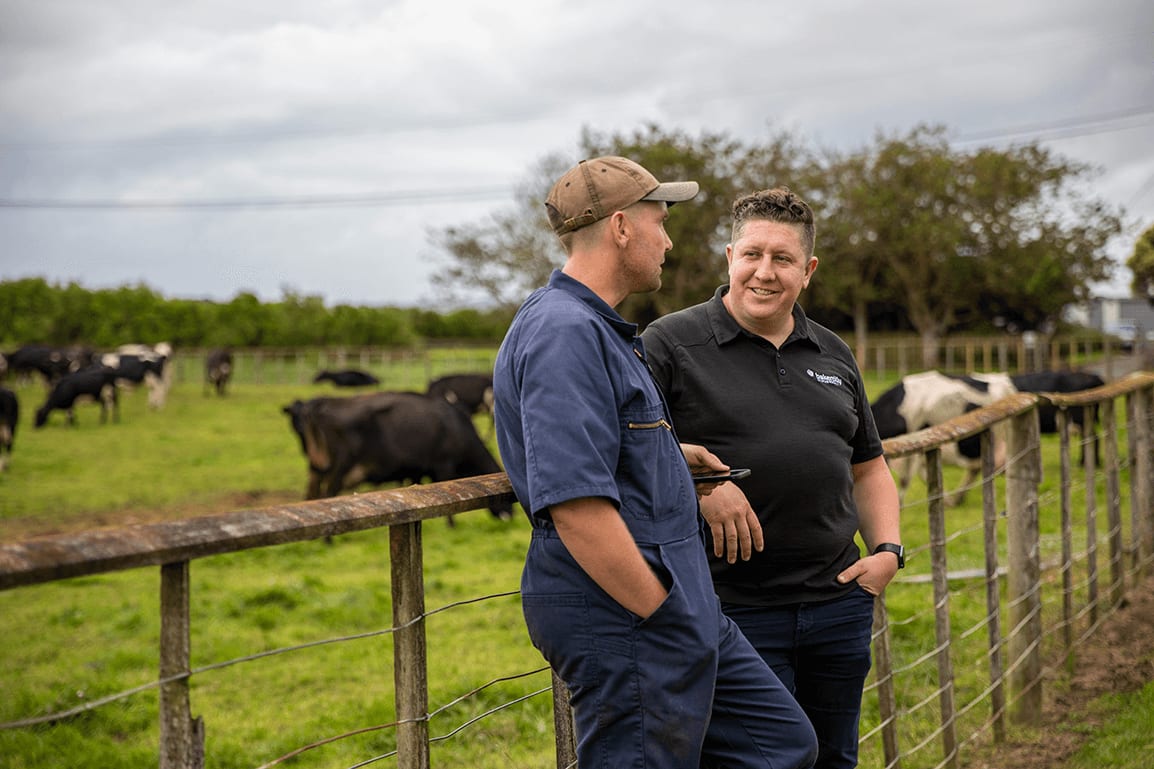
column 594, row 189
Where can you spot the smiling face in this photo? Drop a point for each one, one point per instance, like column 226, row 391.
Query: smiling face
column 768, row 268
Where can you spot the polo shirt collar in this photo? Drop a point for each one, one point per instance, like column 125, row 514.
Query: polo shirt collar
column 560, row 281
column 726, row 329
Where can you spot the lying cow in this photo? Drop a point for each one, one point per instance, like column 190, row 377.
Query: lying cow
column 9, row 418
column 930, row 398
column 388, row 437
column 97, row 383
column 347, row 378
column 217, row 371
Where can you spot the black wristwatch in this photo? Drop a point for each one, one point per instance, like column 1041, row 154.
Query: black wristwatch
column 890, row 547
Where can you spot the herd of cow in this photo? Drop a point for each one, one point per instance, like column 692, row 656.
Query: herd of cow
column 392, row 436
column 376, row 437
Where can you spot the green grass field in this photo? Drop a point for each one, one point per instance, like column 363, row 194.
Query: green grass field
column 75, row 641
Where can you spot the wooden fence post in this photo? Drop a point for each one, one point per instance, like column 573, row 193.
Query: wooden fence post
column 884, row 672
column 993, row 591
column 1023, row 475
column 935, row 491
column 410, row 661
column 181, row 736
column 1142, row 464
column 1113, row 502
column 1066, row 478
column 563, row 732
column 1089, row 466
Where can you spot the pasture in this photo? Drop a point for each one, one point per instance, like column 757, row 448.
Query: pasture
column 76, row 641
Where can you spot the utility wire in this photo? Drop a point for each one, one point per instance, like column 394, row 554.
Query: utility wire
column 1063, row 128
column 404, row 197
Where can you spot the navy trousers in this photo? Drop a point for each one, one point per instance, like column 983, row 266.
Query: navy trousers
column 821, row 653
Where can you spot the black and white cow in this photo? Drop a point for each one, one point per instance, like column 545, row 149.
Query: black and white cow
column 347, row 378
column 96, row 383
column 136, row 363
column 929, row 398
column 9, row 418
column 217, row 371
column 387, row 437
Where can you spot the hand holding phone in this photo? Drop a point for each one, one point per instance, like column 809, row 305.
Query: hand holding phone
column 732, row 474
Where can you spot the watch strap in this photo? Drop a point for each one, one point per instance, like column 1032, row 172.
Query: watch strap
column 890, row 547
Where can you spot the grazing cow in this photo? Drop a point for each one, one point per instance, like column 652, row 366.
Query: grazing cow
column 137, row 363
column 388, row 437
column 217, row 370
column 52, row 363
column 347, row 378
column 1063, row 382
column 9, row 418
column 930, row 398
column 97, row 383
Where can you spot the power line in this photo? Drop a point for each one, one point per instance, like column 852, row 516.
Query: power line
column 408, row 197
column 1065, row 128
column 1069, row 127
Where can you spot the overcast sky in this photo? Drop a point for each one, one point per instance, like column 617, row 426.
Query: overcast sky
column 396, row 118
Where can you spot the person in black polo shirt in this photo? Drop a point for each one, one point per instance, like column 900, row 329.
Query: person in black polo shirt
column 751, row 378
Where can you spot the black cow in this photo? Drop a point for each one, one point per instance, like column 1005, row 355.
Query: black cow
column 471, row 392
column 52, row 363
column 95, row 382
column 9, row 418
column 217, row 370
column 1063, row 382
column 388, row 437
column 347, row 378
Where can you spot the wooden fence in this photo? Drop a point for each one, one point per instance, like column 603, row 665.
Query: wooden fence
column 1017, row 658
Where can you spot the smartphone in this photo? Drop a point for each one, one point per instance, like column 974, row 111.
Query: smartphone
column 730, row 475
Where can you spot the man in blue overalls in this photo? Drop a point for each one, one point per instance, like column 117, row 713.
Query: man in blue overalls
column 616, row 589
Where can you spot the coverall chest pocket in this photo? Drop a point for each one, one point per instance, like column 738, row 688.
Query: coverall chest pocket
column 654, row 481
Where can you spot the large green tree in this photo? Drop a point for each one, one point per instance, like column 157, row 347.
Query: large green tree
column 1141, row 264
column 954, row 236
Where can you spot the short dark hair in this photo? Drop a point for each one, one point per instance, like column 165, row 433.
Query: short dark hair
column 776, row 205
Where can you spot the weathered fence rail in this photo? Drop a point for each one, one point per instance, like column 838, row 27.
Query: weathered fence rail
column 1016, row 657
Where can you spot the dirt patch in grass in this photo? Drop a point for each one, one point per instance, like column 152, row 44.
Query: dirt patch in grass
column 1118, row 658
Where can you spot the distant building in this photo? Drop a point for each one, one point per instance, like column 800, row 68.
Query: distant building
column 1127, row 318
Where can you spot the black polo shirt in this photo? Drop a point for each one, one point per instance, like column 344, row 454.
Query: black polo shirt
column 798, row 417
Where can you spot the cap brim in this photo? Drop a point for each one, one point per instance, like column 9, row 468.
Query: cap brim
column 673, row 192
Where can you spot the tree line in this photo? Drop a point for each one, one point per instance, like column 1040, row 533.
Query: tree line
column 35, row 311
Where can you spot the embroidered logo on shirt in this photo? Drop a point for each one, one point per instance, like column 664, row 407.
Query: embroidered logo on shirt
column 832, row 379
